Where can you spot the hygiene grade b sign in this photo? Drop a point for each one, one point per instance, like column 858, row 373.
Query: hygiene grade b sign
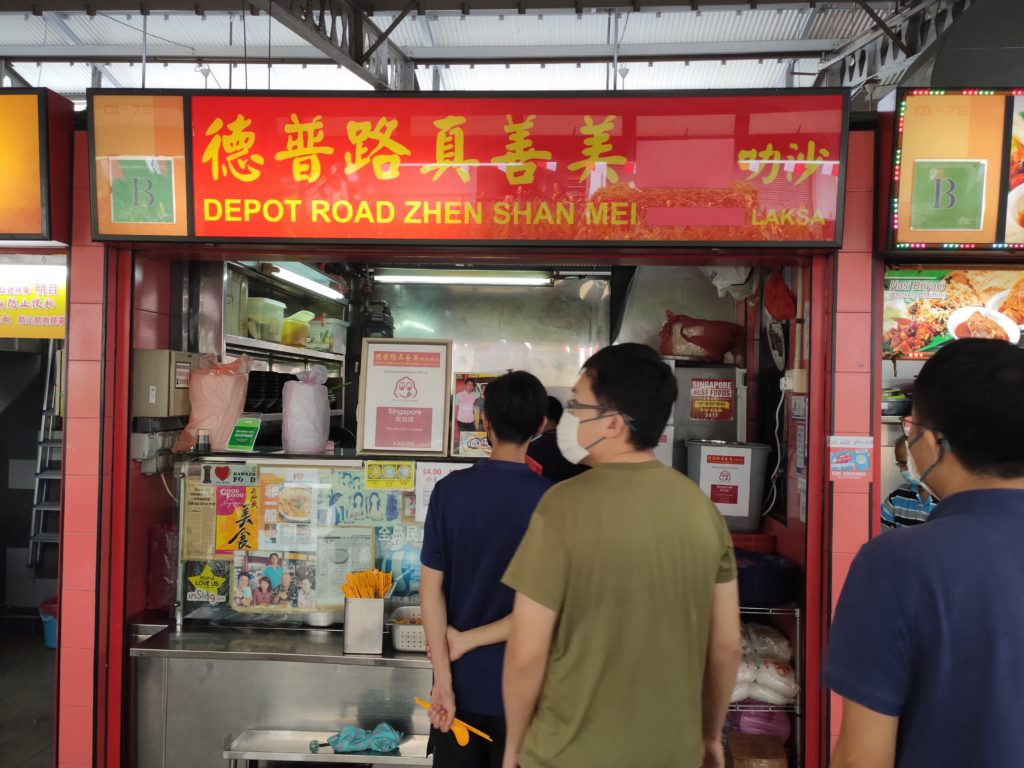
column 734, row 168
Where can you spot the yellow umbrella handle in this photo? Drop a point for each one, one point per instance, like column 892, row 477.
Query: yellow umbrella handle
column 426, row 705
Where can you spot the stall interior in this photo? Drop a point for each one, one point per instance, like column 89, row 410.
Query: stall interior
column 262, row 537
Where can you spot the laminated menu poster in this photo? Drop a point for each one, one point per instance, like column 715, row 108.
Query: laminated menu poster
column 237, row 518
column 274, row 581
column 398, row 552
column 428, row 475
column 1014, row 232
column 403, row 396
column 294, row 499
column 338, row 554
column 926, row 309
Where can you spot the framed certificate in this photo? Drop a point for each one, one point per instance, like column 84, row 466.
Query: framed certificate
column 404, row 397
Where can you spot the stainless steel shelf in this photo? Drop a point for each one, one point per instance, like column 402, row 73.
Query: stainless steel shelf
column 769, row 611
column 273, row 418
column 279, row 350
column 758, row 707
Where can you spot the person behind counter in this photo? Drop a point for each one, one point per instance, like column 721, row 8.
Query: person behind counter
column 474, row 524
column 909, row 504
column 544, row 448
column 625, row 581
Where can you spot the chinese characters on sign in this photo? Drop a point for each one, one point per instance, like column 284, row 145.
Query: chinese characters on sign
column 523, row 168
column 32, row 301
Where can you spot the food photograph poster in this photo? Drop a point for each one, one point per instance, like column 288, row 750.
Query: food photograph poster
column 925, row 309
column 404, row 396
column 1015, row 197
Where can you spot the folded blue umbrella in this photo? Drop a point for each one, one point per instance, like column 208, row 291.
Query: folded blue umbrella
column 385, row 738
column 350, row 739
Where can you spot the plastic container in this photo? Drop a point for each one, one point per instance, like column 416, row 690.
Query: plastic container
column 265, row 318
column 408, row 638
column 328, row 334
column 49, row 612
column 733, row 477
column 236, row 303
column 294, row 333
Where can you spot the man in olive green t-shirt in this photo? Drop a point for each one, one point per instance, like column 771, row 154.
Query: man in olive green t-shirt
column 625, row 637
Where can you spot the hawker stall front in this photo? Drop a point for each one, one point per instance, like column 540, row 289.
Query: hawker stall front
column 35, row 229
column 312, row 294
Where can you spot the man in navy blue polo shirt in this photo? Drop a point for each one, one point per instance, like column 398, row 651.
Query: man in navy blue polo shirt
column 927, row 645
column 476, row 520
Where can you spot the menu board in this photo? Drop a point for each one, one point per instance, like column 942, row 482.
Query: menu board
column 728, row 169
column 271, row 539
column 926, row 309
column 959, row 171
column 404, row 397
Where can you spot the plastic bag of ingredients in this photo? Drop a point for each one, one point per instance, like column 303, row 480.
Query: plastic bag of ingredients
column 747, row 672
column 764, row 724
column 779, row 678
column 768, row 643
column 706, row 340
column 307, row 413
column 216, row 392
column 740, row 693
column 163, row 566
column 766, row 695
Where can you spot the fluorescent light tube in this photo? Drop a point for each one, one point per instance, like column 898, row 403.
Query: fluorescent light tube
column 309, row 284
column 441, row 277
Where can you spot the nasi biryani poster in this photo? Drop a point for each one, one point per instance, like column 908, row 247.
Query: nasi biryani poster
column 925, row 309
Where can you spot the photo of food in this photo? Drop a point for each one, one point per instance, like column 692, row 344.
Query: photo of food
column 1015, row 197
column 925, row 309
column 295, row 503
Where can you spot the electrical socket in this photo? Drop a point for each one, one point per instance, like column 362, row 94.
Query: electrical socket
column 794, row 381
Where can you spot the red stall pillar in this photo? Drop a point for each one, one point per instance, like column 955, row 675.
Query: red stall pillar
column 853, row 355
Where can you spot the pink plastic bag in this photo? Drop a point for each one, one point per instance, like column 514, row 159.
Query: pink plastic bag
column 307, row 413
column 217, row 394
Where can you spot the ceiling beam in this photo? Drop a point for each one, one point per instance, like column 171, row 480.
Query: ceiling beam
column 54, row 21
column 551, row 54
column 7, row 71
column 340, row 31
column 422, row 6
column 427, row 56
column 874, row 57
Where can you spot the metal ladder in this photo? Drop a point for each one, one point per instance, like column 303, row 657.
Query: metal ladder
column 49, row 455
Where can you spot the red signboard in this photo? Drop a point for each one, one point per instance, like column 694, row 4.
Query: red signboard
column 734, row 168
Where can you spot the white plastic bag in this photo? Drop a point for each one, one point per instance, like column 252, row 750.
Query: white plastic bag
column 769, row 643
column 740, row 693
column 747, row 672
column 306, row 420
column 766, row 695
column 216, row 394
column 779, row 678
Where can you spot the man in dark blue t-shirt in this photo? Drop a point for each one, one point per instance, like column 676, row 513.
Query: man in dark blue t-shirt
column 477, row 518
column 927, row 645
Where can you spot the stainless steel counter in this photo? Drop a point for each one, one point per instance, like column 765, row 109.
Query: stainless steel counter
column 322, row 646
column 190, row 690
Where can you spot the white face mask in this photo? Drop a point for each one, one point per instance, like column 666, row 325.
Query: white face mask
column 915, row 476
column 567, row 438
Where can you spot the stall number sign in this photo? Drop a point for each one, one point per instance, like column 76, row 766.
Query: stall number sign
column 725, row 478
column 712, row 399
column 33, row 301
column 948, row 195
column 142, row 190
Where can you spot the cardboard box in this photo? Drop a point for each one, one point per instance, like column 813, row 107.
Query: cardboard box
column 749, row 751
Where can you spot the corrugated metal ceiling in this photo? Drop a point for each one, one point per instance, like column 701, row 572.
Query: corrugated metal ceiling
column 22, row 33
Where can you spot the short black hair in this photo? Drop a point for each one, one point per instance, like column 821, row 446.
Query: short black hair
column 969, row 392
column 554, row 410
column 633, row 380
column 515, row 405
